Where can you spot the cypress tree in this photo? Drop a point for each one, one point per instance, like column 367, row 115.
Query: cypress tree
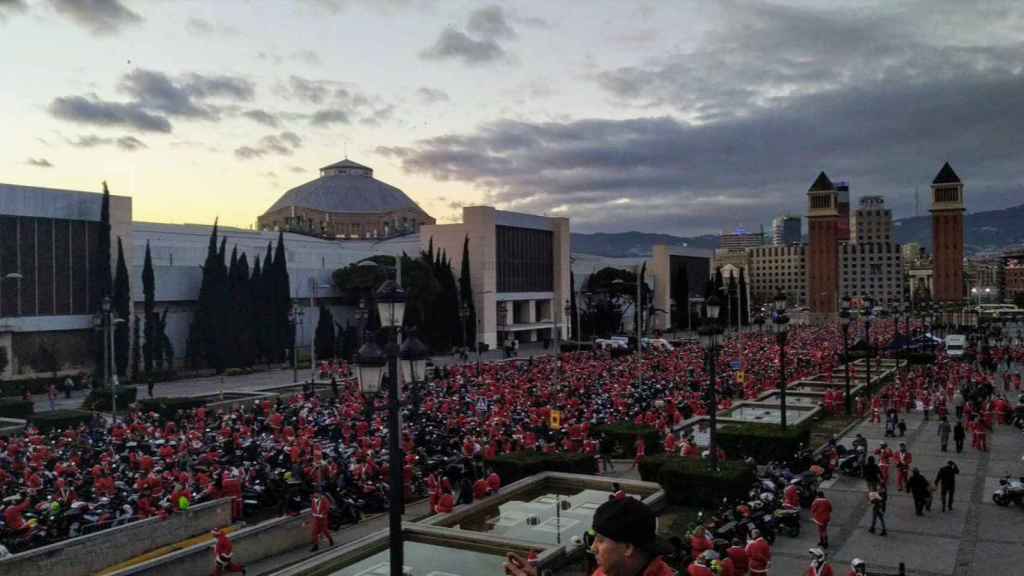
column 148, row 312
column 324, row 339
column 733, row 303
column 136, row 347
column 257, row 314
column 230, row 324
column 122, row 307
column 242, row 297
column 282, row 298
column 466, row 295
column 100, row 281
column 743, row 300
column 206, row 334
column 271, row 332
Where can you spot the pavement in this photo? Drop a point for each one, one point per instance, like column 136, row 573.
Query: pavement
column 977, row 537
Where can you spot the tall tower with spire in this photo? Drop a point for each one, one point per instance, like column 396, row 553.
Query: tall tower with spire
column 948, row 236
column 822, row 247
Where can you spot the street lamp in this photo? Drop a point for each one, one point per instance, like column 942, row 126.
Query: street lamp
column 780, row 320
column 105, row 320
column 391, row 307
column 415, row 355
column 844, row 322
column 709, row 331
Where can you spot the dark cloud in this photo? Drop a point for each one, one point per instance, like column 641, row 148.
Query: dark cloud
column 329, row 116
column 92, row 110
column 39, row 162
column 201, row 27
column 457, row 45
column 218, row 86
column 98, row 16
column 660, row 173
column 432, row 95
column 9, row 8
column 262, row 117
column 378, row 116
column 309, row 91
column 128, row 143
column 282, row 144
column 156, row 91
column 490, row 22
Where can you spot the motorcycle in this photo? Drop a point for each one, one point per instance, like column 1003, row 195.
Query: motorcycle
column 788, row 521
column 1010, row 491
column 852, row 463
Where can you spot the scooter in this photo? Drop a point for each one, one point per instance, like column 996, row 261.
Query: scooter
column 852, row 463
column 1010, row 491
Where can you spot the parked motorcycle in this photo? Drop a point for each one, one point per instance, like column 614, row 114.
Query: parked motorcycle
column 1010, row 491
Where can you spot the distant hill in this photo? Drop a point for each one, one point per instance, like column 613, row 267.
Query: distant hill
column 989, row 231
column 627, row 244
column 985, row 232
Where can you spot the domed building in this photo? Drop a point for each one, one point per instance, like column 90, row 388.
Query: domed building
column 345, row 202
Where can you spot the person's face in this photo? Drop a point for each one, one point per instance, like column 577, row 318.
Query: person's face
column 611, row 555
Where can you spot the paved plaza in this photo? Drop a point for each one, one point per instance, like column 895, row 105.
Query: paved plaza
column 976, row 538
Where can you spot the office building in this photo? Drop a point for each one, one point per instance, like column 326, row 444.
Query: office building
column 786, row 230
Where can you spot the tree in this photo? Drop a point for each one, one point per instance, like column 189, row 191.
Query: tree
column 136, row 347
column 466, row 295
column 574, row 329
column 324, row 340
column 258, row 317
column 280, row 299
column 241, row 297
column 100, row 283
column 148, row 310
column 4, row 360
column 744, row 303
column 166, row 346
column 607, row 289
column 122, row 307
column 733, row 302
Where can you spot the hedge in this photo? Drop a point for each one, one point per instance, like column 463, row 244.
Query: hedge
column 689, row 481
column 60, row 419
column 16, row 408
column 518, row 465
column 763, row 442
column 169, row 407
column 101, row 398
column 623, row 438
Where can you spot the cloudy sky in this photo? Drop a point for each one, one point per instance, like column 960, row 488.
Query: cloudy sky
column 684, row 117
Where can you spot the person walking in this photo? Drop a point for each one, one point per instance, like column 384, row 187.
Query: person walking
column 903, row 461
column 878, row 499
column 821, row 514
column 222, row 551
column 920, row 490
column 819, row 564
column 946, row 481
column 51, row 394
column 944, row 431
column 958, row 436
column 872, row 474
column 759, row 554
column 321, row 513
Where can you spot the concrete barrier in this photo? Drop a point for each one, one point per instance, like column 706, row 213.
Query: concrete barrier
column 251, row 544
column 91, row 553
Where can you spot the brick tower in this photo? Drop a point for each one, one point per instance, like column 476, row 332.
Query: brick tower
column 823, row 244
column 948, row 236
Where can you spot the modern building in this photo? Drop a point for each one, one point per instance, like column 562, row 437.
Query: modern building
column 48, row 241
column 948, row 235
column 345, row 202
column 776, row 269
column 1013, row 274
column 871, row 265
column 872, row 221
column 843, row 194
column 519, row 271
column 985, row 276
column 822, row 249
column 669, row 263
column 786, row 230
column 740, row 240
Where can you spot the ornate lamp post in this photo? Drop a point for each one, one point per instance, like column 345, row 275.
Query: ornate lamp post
column 709, row 331
column 370, row 362
column 781, row 320
column 295, row 316
column 414, row 353
column 844, row 323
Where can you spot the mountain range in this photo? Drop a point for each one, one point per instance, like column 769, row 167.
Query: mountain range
column 985, row 233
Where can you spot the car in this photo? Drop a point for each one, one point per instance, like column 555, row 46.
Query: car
column 956, row 345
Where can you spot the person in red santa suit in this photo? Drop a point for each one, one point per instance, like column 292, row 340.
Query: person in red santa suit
column 321, row 512
column 821, row 514
column 759, row 553
column 738, row 554
column 819, row 564
column 222, row 551
column 903, row 461
column 791, row 495
column 885, row 458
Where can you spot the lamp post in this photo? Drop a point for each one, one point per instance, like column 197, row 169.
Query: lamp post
column 844, row 323
column 709, row 331
column 391, row 307
column 295, row 316
column 105, row 320
column 780, row 320
column 313, row 301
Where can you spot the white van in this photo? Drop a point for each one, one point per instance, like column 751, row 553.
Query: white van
column 955, row 345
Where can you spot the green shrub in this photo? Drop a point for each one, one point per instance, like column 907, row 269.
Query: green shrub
column 102, row 400
column 763, row 442
column 689, row 482
column 623, row 438
column 518, row 465
column 60, row 419
column 16, row 408
column 169, row 407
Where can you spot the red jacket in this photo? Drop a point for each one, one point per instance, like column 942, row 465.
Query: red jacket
column 12, row 515
column 825, row 570
column 222, row 550
column 740, row 562
column 445, row 504
column 698, row 570
column 321, row 508
column 760, row 555
column 821, row 511
column 791, row 496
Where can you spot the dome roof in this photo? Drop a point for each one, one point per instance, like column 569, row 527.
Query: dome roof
column 346, row 187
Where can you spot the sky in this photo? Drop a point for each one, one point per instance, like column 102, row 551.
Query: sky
column 680, row 117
